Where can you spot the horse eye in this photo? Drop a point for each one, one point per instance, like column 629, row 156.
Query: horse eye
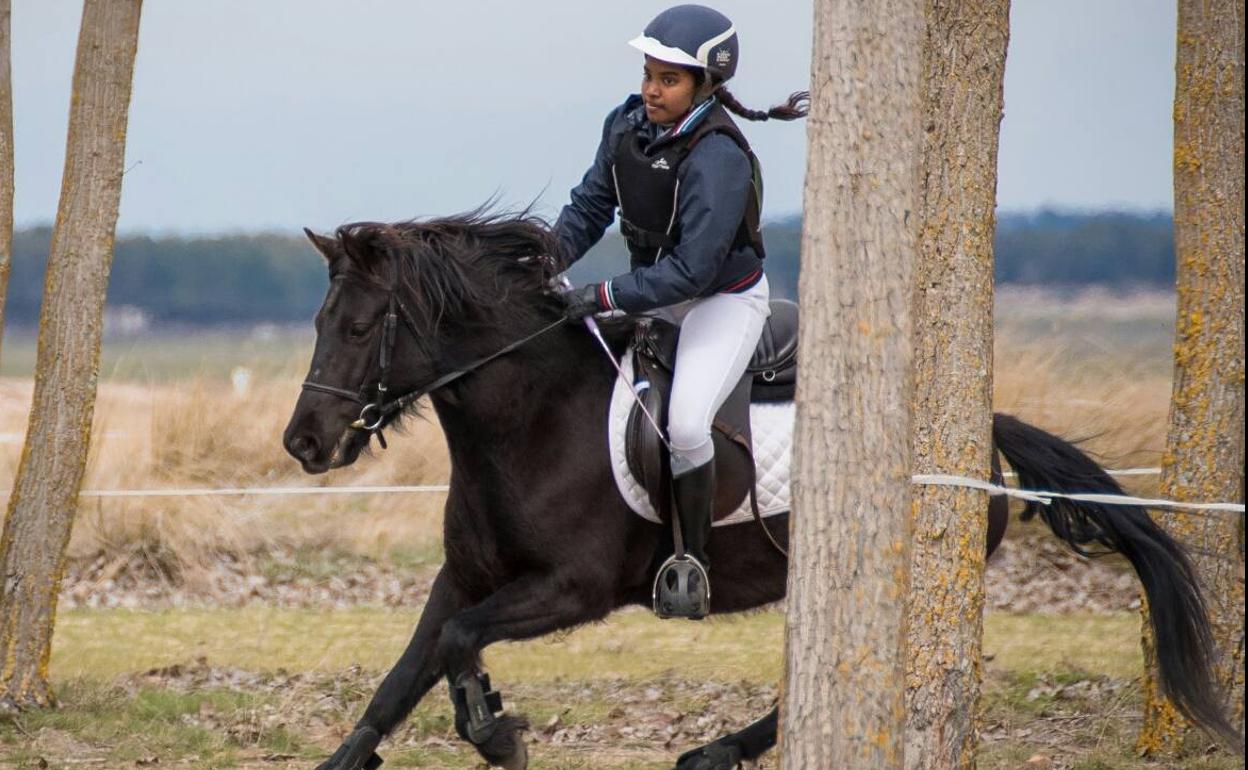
column 358, row 330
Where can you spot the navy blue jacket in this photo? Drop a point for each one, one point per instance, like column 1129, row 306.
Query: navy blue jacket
column 714, row 189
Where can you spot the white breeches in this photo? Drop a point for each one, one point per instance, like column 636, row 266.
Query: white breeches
column 718, row 335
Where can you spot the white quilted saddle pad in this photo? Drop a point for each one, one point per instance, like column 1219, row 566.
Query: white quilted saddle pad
column 771, row 424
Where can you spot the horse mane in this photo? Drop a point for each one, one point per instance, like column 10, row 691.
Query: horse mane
column 477, row 268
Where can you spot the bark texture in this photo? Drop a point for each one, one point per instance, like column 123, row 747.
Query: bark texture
column 45, row 492
column 964, row 68
column 1204, row 458
column 844, row 701
column 6, row 156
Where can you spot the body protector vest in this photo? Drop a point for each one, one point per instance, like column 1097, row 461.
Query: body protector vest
column 646, row 186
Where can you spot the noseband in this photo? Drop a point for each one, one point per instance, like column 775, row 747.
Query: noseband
column 381, row 409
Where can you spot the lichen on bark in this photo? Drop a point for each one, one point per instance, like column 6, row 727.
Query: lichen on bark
column 1204, row 458
column 41, row 508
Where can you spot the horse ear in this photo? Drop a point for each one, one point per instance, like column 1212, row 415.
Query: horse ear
column 356, row 248
column 326, row 246
column 366, row 248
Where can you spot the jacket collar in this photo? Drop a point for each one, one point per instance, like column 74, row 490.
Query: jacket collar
column 635, row 116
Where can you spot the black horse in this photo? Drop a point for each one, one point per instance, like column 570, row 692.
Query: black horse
column 537, row 538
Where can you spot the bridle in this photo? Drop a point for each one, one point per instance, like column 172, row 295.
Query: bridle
column 378, row 408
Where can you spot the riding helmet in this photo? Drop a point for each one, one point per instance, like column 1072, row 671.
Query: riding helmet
column 692, row 36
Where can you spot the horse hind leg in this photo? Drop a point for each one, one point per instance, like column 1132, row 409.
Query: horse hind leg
column 727, row 752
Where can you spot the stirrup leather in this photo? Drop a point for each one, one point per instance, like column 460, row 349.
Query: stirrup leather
column 682, row 589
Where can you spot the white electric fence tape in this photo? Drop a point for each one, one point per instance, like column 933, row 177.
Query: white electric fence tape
column 260, row 491
column 1045, row 498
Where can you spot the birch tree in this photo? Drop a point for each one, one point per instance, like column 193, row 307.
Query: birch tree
column 6, row 157
column 963, row 76
column 45, row 492
column 844, row 702
column 1204, row 457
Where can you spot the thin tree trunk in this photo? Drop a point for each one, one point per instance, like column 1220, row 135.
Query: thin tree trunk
column 964, row 68
column 1204, row 457
column 6, row 158
column 844, row 703
column 45, row 492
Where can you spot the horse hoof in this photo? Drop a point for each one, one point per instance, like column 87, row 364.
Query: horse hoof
column 716, row 756
column 519, row 759
column 357, row 752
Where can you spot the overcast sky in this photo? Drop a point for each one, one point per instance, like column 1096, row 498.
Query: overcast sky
column 263, row 114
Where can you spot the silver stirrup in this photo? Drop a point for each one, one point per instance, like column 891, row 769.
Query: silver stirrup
column 682, row 589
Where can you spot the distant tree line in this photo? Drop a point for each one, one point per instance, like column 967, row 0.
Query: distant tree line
column 278, row 278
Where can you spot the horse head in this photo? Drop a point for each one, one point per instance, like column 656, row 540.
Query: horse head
column 407, row 302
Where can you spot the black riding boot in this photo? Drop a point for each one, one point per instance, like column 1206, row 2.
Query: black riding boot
column 682, row 587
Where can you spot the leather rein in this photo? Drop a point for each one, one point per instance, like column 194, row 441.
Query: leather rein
column 381, row 409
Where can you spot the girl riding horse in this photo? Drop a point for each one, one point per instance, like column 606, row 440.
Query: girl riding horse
column 537, row 537
column 689, row 192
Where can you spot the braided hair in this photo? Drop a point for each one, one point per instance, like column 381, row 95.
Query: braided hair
column 796, row 106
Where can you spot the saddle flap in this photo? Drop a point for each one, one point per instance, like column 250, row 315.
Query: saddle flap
column 647, row 456
column 771, row 429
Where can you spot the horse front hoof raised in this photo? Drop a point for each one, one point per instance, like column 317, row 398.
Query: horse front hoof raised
column 357, row 752
column 716, row 756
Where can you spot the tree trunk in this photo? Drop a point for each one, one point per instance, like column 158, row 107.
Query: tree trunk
column 844, row 704
column 964, row 68
column 45, row 492
column 6, row 158
column 1204, row 457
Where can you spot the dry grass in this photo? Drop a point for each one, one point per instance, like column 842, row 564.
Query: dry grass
column 1095, row 368
column 200, row 433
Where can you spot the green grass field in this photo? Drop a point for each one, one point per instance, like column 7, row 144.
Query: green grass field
column 630, row 644
column 263, row 687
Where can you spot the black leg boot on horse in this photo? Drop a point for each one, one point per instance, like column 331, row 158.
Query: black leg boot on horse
column 682, row 587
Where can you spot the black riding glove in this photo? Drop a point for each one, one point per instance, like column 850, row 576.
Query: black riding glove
column 581, row 302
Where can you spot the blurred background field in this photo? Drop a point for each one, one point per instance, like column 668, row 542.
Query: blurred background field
column 207, row 410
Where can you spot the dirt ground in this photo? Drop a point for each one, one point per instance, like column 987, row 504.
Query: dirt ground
column 1062, row 721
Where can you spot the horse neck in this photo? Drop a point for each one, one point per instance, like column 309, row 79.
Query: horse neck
column 523, row 393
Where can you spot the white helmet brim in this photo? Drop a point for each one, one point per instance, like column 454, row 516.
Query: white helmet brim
column 653, row 48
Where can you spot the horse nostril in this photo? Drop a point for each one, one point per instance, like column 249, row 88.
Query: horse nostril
column 303, row 447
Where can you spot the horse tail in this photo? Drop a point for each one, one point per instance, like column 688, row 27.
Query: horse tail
column 1180, row 622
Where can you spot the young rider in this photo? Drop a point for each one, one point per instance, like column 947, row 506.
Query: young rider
column 688, row 189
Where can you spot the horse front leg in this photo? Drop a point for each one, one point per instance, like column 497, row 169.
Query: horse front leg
column 727, row 753
column 417, row 670
column 531, row 606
